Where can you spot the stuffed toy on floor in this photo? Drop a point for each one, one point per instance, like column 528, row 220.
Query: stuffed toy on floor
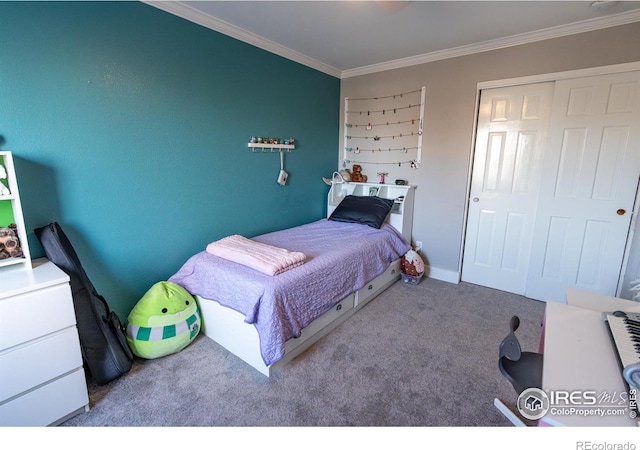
column 164, row 321
column 412, row 267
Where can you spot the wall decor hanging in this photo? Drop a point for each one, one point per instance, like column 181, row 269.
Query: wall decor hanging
column 384, row 130
column 274, row 145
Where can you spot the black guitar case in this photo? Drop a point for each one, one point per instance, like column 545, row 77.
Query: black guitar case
column 102, row 337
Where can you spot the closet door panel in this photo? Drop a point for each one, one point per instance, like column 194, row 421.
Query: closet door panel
column 505, row 180
column 589, row 181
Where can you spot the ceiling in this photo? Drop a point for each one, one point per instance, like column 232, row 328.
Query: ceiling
column 348, row 38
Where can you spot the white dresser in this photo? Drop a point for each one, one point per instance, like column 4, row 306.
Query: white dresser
column 42, row 381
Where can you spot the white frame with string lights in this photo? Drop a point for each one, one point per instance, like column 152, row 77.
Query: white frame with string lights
column 384, row 130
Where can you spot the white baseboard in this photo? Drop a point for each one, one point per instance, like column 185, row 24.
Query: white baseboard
column 449, row 276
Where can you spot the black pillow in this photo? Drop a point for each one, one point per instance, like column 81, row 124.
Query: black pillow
column 371, row 211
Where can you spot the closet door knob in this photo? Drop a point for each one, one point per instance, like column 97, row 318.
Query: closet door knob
column 621, row 212
column 476, row 199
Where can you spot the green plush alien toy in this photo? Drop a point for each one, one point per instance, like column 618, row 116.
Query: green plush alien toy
column 164, row 321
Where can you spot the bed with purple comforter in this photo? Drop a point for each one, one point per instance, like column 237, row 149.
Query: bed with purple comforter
column 340, row 259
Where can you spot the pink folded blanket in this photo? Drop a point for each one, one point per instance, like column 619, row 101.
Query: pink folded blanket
column 263, row 257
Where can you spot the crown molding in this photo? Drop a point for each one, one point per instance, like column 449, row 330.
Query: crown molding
column 184, row 11
column 495, row 44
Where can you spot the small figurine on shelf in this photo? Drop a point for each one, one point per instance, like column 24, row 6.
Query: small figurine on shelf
column 382, row 175
column 253, row 140
column 3, row 175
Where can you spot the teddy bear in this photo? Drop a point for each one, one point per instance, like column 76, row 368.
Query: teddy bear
column 9, row 242
column 356, row 174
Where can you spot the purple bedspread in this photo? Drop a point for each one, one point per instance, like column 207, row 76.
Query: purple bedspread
column 341, row 258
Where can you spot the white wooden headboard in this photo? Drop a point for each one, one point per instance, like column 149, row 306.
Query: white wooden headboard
column 401, row 216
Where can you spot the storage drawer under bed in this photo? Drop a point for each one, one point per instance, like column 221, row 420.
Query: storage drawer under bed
column 345, row 306
column 374, row 287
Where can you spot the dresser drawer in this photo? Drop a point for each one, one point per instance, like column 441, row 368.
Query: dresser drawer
column 375, row 286
column 47, row 404
column 26, row 366
column 34, row 314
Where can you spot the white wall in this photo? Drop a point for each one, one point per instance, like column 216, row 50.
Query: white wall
column 450, row 104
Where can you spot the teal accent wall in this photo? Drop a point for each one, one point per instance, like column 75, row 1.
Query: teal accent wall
column 129, row 126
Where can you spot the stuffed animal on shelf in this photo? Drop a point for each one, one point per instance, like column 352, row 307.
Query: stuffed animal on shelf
column 164, row 321
column 9, row 242
column 356, row 174
column 344, row 173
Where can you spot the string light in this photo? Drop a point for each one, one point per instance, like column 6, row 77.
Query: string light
column 377, row 138
column 383, row 111
column 412, row 163
column 371, row 125
column 388, row 96
column 373, row 150
column 405, row 131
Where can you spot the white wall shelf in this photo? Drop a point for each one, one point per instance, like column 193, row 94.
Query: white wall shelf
column 271, row 147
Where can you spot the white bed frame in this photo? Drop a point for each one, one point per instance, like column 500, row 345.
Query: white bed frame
column 228, row 328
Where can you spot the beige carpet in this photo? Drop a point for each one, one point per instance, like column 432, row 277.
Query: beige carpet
column 418, row 355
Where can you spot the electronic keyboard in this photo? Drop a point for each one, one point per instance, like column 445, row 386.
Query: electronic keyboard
column 625, row 330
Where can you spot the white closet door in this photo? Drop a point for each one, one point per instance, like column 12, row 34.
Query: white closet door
column 589, row 181
column 511, row 133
